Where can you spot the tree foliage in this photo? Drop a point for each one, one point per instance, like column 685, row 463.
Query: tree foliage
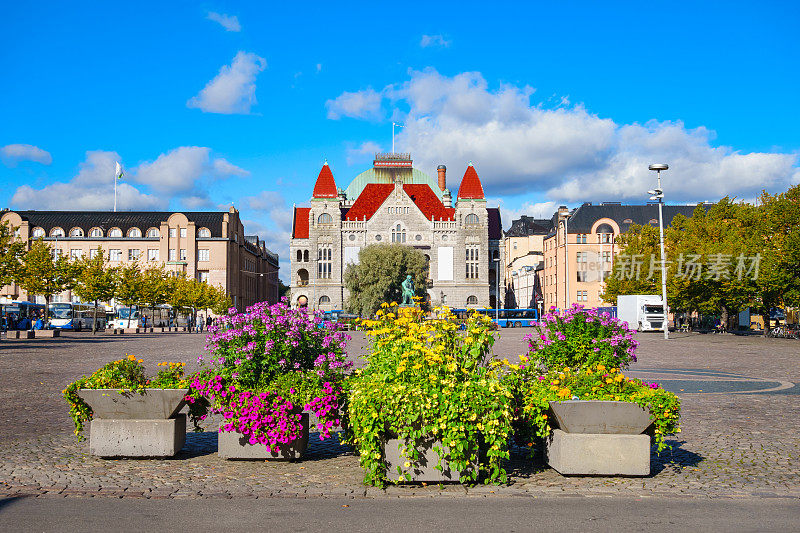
column 11, row 253
column 44, row 273
column 377, row 277
column 721, row 260
column 96, row 282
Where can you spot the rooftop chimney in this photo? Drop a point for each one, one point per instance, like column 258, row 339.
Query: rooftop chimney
column 442, row 170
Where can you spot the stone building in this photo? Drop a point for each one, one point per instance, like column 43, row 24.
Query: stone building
column 393, row 202
column 208, row 246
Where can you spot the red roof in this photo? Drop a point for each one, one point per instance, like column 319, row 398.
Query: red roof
column 300, row 223
column 428, row 202
column 470, row 185
column 370, row 199
column 325, row 186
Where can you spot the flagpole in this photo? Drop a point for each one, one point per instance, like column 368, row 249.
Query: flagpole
column 115, row 192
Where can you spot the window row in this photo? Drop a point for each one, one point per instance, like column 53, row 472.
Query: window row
column 116, row 254
column 133, row 233
column 397, row 210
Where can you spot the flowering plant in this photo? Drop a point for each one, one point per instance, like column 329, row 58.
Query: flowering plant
column 426, row 379
column 596, row 382
column 268, row 364
column 581, row 337
column 128, row 375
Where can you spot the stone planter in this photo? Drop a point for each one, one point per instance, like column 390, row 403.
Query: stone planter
column 133, row 424
column 601, row 438
column 232, row 445
column 424, row 469
column 46, row 333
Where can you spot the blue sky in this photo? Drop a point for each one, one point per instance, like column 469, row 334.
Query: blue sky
column 212, row 103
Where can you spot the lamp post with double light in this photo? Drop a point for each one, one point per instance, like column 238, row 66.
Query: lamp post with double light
column 658, row 194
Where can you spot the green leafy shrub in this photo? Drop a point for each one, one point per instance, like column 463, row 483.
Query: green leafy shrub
column 426, row 379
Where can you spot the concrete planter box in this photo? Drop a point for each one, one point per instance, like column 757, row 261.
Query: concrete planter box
column 46, row 333
column 132, row 424
column 19, row 335
column 599, row 438
column 424, row 469
column 232, row 445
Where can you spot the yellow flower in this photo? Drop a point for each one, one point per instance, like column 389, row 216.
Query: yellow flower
column 609, row 380
column 600, row 368
column 132, row 357
column 564, row 393
column 406, row 464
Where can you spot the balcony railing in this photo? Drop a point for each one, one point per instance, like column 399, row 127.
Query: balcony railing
column 302, row 282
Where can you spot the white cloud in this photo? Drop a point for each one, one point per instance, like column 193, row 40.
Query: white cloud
column 531, row 209
column 434, row 40
column 181, row 174
column 362, row 153
column 319, row 67
column 364, row 104
column 233, row 90
column 91, row 189
column 562, row 150
column 269, row 216
column 11, row 154
column 229, row 22
column 178, row 171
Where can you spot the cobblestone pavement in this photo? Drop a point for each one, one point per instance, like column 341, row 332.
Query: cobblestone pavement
column 740, row 435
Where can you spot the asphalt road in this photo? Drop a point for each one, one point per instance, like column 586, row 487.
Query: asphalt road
column 457, row 514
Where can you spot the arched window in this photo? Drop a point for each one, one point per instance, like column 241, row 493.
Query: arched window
column 471, row 220
column 134, row 233
column 605, row 234
column 324, row 300
column 325, row 218
column 37, row 233
column 115, row 232
column 398, row 234
column 305, row 256
column 204, row 232
column 472, row 300
column 153, row 233
column 56, row 232
column 76, row 232
column 302, row 277
column 299, row 256
column 95, row 232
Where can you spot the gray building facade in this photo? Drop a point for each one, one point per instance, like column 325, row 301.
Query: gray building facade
column 395, row 203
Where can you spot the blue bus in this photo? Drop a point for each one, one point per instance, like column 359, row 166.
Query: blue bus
column 504, row 318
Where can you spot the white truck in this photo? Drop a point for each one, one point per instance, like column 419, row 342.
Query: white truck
column 642, row 312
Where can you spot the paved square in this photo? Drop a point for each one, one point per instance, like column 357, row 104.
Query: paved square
column 740, row 434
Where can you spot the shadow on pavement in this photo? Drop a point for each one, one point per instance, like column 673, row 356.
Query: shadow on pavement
column 676, row 458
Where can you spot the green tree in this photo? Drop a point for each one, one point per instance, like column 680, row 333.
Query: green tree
column 378, row 275
column 11, row 253
column 97, row 282
column 155, row 287
column 129, row 288
column 45, row 274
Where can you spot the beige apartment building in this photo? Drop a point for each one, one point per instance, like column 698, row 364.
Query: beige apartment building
column 579, row 252
column 209, row 246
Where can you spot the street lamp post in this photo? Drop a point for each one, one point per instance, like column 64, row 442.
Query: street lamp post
column 497, row 289
column 658, row 194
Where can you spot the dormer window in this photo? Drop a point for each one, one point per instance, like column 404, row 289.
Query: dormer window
column 37, row 233
column 204, row 233
column 76, row 232
column 57, row 232
column 95, row 232
column 153, row 233
column 115, row 233
column 134, row 233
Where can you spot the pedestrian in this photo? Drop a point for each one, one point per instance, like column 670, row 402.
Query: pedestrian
column 39, row 324
column 201, row 323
